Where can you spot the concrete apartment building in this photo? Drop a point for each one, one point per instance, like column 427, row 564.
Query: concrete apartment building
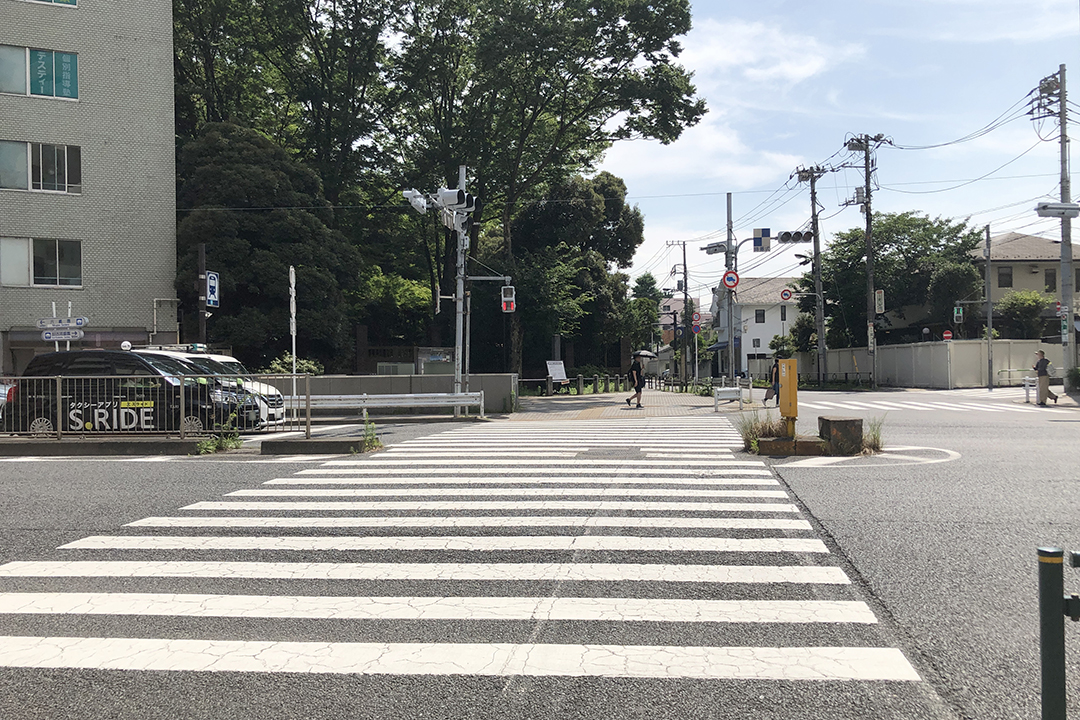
column 87, row 179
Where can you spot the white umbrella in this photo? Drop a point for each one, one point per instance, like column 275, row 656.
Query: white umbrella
column 645, row 353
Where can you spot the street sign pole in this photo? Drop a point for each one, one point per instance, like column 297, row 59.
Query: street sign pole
column 202, row 293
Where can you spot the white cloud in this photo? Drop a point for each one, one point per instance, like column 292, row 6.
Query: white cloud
column 722, row 54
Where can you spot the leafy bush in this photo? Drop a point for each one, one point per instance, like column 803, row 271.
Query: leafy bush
column 283, row 366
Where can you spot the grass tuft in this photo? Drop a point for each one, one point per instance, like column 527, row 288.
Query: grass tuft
column 753, row 426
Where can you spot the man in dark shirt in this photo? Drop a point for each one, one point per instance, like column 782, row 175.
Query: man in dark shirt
column 1042, row 371
column 637, row 378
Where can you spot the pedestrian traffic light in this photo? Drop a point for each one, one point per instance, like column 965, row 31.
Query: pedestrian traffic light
column 509, row 303
column 958, row 314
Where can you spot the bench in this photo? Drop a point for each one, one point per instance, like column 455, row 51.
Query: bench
column 364, row 402
column 726, row 393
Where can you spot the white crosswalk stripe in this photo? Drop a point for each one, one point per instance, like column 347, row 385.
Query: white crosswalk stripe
column 583, row 526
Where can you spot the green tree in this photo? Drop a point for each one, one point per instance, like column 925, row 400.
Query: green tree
column 258, row 211
column 782, row 346
column 803, row 333
column 908, row 248
column 1020, row 312
column 528, row 93
column 645, row 287
column 950, row 282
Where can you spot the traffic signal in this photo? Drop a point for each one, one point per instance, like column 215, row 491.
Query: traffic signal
column 458, row 200
column 509, row 303
column 417, row 200
column 797, row 236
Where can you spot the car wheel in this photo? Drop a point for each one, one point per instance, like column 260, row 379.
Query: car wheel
column 193, row 425
column 41, row 426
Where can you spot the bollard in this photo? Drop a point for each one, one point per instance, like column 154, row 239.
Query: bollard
column 596, row 384
column 1052, row 631
column 580, row 384
column 548, row 387
column 607, row 383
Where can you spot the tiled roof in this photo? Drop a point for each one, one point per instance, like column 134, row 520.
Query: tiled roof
column 1019, row 247
column 763, row 291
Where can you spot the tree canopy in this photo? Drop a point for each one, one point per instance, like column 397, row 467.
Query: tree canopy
column 915, row 258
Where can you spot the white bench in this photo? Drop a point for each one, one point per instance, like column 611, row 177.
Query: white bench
column 364, row 402
column 726, row 393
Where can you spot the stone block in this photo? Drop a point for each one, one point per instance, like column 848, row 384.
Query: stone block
column 844, row 434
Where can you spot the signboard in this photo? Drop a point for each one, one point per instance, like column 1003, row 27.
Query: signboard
column 61, row 334
column 556, row 370
column 785, row 294
column 761, row 240
column 879, row 301
column 212, row 298
column 731, row 279
column 48, row 323
column 947, row 335
column 695, row 329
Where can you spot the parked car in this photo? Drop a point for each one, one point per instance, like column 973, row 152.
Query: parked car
column 120, row 391
column 269, row 399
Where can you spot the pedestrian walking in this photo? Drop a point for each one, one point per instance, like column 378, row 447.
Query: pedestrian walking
column 637, row 378
column 1042, row 372
column 774, row 381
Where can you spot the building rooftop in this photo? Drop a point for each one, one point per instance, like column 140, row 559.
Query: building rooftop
column 1019, row 247
column 763, row 291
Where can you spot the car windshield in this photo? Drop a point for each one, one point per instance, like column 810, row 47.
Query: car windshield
column 233, row 366
column 208, row 366
column 169, row 366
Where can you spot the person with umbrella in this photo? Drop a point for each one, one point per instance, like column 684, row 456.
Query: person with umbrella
column 637, row 376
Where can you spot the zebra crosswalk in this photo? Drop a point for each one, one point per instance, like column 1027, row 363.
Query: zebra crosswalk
column 550, row 545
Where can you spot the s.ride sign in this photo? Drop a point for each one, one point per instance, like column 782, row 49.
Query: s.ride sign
column 111, row 415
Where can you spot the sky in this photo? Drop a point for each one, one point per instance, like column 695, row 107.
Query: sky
column 787, row 83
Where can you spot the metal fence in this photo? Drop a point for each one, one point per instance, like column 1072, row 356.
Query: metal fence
column 183, row 405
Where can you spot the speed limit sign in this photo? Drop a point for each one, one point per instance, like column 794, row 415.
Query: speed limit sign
column 731, row 279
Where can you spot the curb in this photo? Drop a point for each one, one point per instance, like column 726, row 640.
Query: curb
column 74, row 447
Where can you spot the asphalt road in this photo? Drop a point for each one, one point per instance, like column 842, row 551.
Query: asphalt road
column 938, row 538
column 949, row 549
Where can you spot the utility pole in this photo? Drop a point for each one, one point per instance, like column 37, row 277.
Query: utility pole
column 202, row 293
column 811, row 175
column 686, row 304
column 1068, row 335
column 866, row 144
column 989, row 319
column 729, row 256
column 1051, row 90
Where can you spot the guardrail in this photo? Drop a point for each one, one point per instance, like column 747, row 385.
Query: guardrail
column 364, row 402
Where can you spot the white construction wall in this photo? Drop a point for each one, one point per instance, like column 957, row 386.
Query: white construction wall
column 940, row 365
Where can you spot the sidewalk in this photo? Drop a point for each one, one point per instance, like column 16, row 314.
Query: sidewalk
column 655, row 403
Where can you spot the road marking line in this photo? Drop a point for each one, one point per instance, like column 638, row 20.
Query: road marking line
column 420, row 463
column 381, row 505
column 449, row 543
column 439, row 608
column 507, row 491
column 499, row 572
column 550, row 480
column 485, row 659
column 480, row 521
column 360, row 470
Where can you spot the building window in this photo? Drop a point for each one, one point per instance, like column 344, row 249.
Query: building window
column 783, row 313
column 1005, row 276
column 46, row 73
column 757, row 342
column 39, row 261
column 1050, row 276
column 759, row 316
column 53, row 168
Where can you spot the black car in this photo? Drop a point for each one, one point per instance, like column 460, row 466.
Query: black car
column 119, row 391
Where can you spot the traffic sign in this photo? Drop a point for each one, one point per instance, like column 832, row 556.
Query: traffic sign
column 947, row 335
column 47, row 323
column 62, row 334
column 731, row 279
column 695, row 329
column 879, row 301
column 785, row 294
column 212, row 298
column 696, row 317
